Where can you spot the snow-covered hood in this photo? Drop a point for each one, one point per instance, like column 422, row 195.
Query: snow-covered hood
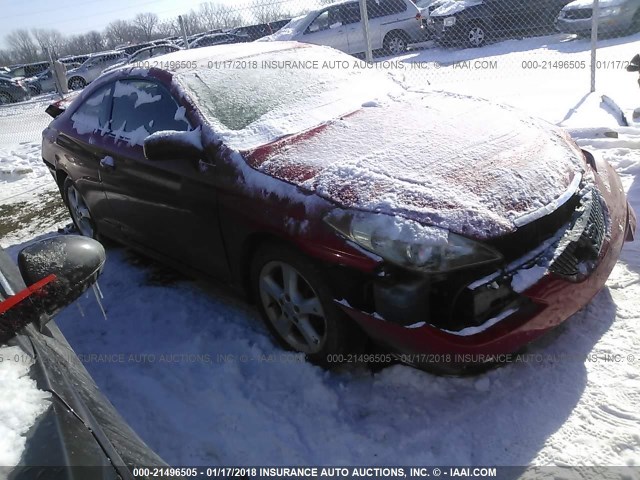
column 451, row 7
column 579, row 4
column 465, row 164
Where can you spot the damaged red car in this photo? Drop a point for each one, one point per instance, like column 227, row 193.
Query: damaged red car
column 346, row 205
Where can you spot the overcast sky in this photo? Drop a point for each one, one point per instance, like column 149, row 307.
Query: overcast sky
column 79, row 16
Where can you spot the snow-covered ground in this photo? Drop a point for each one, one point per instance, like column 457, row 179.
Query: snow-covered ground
column 196, row 375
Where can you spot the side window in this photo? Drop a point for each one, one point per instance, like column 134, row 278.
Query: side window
column 141, row 107
column 143, row 55
column 320, row 23
column 93, row 114
column 350, row 13
column 381, row 8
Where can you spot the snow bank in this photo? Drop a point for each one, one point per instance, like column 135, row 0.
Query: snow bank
column 20, row 403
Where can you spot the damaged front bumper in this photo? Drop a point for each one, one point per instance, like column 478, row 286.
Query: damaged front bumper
column 546, row 288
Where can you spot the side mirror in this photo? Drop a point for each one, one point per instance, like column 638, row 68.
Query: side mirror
column 634, row 66
column 172, row 145
column 75, row 261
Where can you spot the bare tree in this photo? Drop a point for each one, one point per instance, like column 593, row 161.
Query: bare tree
column 23, row 46
column 146, row 24
column 49, row 40
column 120, row 32
column 265, row 11
column 214, row 16
column 168, row 28
column 95, row 41
column 6, row 58
column 193, row 23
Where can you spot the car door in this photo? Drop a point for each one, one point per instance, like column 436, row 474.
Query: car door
column 81, row 144
column 328, row 29
column 499, row 15
column 169, row 207
column 352, row 21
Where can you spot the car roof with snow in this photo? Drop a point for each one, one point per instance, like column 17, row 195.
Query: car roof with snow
column 205, row 58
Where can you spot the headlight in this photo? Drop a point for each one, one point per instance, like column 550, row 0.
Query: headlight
column 610, row 12
column 449, row 21
column 410, row 244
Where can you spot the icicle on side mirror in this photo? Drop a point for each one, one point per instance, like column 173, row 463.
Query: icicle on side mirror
column 76, row 263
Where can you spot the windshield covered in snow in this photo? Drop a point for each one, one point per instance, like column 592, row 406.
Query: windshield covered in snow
column 276, row 90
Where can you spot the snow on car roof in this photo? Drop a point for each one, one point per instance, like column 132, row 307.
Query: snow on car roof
column 254, row 93
column 204, row 58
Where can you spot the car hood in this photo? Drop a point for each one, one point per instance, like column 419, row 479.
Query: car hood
column 451, row 7
column 460, row 163
column 580, row 4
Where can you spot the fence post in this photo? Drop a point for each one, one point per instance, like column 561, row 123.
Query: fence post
column 54, row 72
column 364, row 15
column 594, row 41
column 184, row 31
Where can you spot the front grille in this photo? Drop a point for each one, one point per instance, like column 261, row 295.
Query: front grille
column 529, row 237
column 578, row 14
column 584, row 241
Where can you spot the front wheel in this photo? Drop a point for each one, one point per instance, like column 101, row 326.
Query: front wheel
column 298, row 307
column 77, row 83
column 476, row 36
column 78, row 209
column 5, row 98
column 395, row 44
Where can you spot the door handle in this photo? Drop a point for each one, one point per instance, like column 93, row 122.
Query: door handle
column 108, row 163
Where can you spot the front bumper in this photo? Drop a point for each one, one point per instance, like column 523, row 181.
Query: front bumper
column 550, row 301
column 606, row 25
column 445, row 35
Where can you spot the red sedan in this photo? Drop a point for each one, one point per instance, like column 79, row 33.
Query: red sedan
column 447, row 228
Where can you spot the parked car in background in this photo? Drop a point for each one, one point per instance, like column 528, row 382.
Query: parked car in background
column 144, row 54
column 473, row 22
column 73, row 59
column 278, row 24
column 252, row 32
column 616, row 17
column 43, row 82
column 79, row 427
column 393, row 25
column 218, row 39
column 12, row 90
column 91, row 69
column 28, row 70
column 131, row 49
column 247, row 175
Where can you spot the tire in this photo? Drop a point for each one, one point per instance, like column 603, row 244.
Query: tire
column 76, row 83
column 33, row 90
column 298, row 308
column 476, row 35
column 395, row 43
column 5, row 98
column 78, row 210
column 635, row 23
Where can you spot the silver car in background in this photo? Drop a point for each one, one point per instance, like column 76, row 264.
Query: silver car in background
column 140, row 56
column 92, row 68
column 616, row 17
column 393, row 25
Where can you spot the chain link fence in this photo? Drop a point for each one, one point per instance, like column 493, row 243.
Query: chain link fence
column 442, row 43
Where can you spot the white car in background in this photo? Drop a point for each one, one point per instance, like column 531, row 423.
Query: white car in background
column 92, row 68
column 393, row 25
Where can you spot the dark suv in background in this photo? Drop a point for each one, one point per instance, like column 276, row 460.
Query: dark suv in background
column 473, row 22
column 12, row 90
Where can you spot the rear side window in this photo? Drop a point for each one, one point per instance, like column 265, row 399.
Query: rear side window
column 381, row 8
column 93, row 114
column 141, row 107
column 350, row 13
